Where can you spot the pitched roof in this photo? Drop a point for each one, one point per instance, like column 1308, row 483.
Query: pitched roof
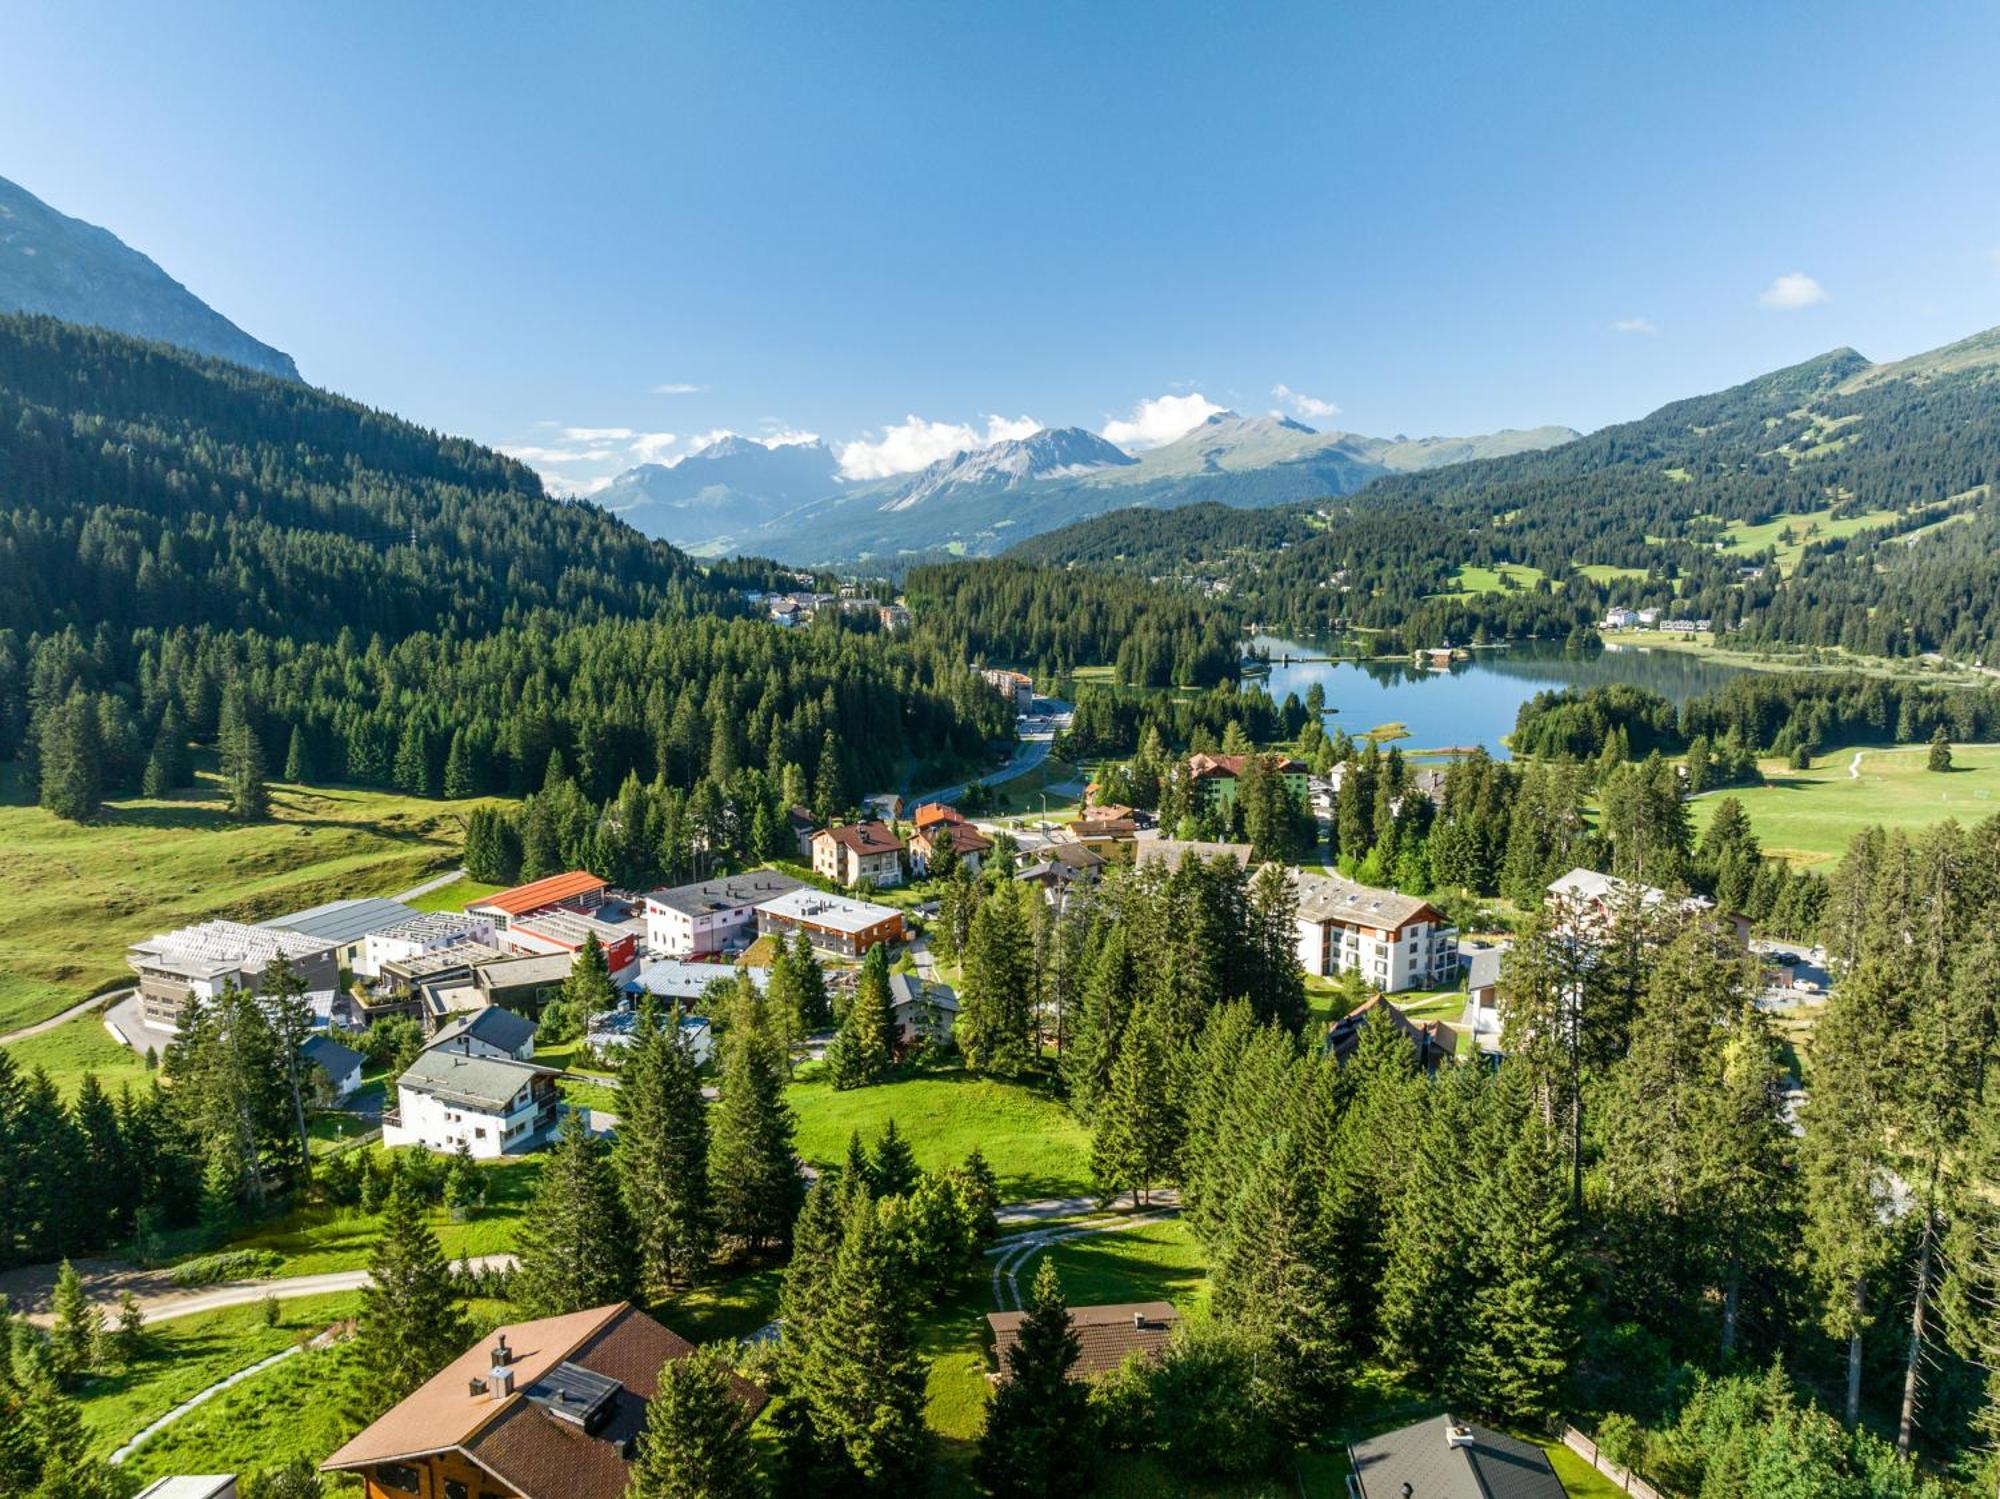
column 609, row 1358
column 1105, row 1335
column 1482, row 967
column 538, row 893
column 1230, row 767
column 863, row 837
column 1104, row 827
column 1325, row 897
column 910, row 989
column 962, row 836
column 726, row 894
column 343, row 921
column 1434, row 1040
column 931, row 812
column 487, row 1084
column 1172, row 851
column 1444, row 1459
column 1078, row 856
column 496, row 1025
column 327, row 1054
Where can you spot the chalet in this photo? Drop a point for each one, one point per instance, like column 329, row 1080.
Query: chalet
column 1017, row 688
column 578, row 889
column 428, row 931
column 1394, row 941
column 803, row 825
column 1110, row 838
column 923, row 1008
column 1215, row 778
column 1170, row 852
column 1106, row 1336
column 690, row 920
column 1445, row 1458
column 487, row 1032
column 200, row 962
column 886, row 805
column 858, row 851
column 340, row 1065
column 835, row 924
column 346, row 924
column 1062, row 867
column 1433, row 1040
column 490, row 1105
column 930, row 814
column 549, row 1409
column 971, row 846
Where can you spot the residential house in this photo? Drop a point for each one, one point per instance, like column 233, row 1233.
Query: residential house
column 1620, row 618
column 930, row 814
column 893, row 617
column 1434, row 1041
column 399, row 989
column 971, row 845
column 1105, row 1335
column 835, row 924
column 1482, row 996
column 1017, row 688
column 1445, row 1458
column 1394, row 941
column 858, row 851
column 577, row 889
column 1169, row 852
column 1592, row 902
column 803, row 825
column 689, row 920
column 886, row 805
column 425, row 932
column 340, row 1065
column 616, row 1029
column 487, row 1032
column 346, row 924
column 1215, row 778
column 1647, row 618
column 490, row 1105
column 675, row 982
column 201, row 961
column 549, row 1409
column 1112, row 839
column 924, row 1009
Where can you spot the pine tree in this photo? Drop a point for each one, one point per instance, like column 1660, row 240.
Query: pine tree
column 414, row 776
column 410, row 1324
column 167, row 766
column 242, row 758
column 893, row 1171
column 696, row 1444
column 995, row 1018
column 752, row 1168
column 72, row 776
column 460, row 777
column 1940, row 753
column 492, row 848
column 1108, row 997
column 1040, row 1438
column 588, row 989
column 575, row 1245
column 298, row 757
column 864, row 1050
column 1138, row 1127
column 662, row 1157
column 78, row 1326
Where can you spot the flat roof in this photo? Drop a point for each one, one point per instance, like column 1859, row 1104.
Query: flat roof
column 210, row 948
column 465, row 955
column 835, row 913
column 343, row 921
column 538, row 893
column 671, row 979
column 428, row 926
column 727, row 894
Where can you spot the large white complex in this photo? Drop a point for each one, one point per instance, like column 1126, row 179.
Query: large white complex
column 689, row 920
column 201, row 961
column 1394, row 941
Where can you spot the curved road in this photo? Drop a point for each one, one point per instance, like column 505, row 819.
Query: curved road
column 1028, row 753
column 72, row 1013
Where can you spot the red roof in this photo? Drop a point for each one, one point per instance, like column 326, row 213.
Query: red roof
column 962, row 836
column 863, row 837
column 538, row 893
column 931, row 812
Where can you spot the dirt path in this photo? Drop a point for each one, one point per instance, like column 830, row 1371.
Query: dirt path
column 416, row 891
column 41, row 1027
column 1012, row 1253
column 1854, row 765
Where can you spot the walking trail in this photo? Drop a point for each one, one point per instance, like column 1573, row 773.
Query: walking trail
column 1854, row 765
column 147, row 1433
column 438, row 883
column 1012, row 1253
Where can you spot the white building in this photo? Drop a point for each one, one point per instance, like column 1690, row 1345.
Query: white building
column 1394, row 941
column 614, row 1030
column 346, row 924
column 426, row 932
column 341, row 1064
column 1620, row 618
column 201, row 961
column 493, row 1031
column 689, row 920
column 493, row 1106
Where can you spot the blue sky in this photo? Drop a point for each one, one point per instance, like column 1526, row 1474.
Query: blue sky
column 523, row 222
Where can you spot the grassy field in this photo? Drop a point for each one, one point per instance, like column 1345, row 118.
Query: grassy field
column 78, row 895
column 1471, row 579
column 1817, row 525
column 1604, row 572
column 1809, row 816
column 455, row 896
column 185, row 1357
column 76, row 1047
column 1034, row 1144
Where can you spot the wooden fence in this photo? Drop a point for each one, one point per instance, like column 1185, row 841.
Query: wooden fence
column 1586, row 1449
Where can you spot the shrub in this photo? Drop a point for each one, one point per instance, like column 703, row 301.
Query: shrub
column 230, row 1264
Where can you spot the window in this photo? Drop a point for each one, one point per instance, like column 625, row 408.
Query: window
column 453, row 1489
column 480, row 1133
column 403, row 1480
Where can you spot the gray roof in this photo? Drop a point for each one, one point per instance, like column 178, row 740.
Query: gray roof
column 909, row 989
column 1171, row 851
column 1482, row 966
column 327, row 1054
column 1325, row 897
column 496, row 1025
column 343, row 921
column 1486, row 1466
column 510, row 973
column 729, row 894
column 487, row 1084
column 670, row 978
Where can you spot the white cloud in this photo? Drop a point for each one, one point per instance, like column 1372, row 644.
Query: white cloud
column 1160, row 420
column 914, row 443
column 709, row 438
column 1304, row 404
column 1793, row 290
column 536, row 457
column 597, row 434
column 675, row 388
column 787, row 437
column 651, row 447
column 1644, row 325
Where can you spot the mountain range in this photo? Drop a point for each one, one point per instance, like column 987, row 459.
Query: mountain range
column 791, row 503
column 51, row 263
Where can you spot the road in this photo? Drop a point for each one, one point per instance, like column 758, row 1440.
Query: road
column 41, row 1027
column 1028, row 753
column 438, row 883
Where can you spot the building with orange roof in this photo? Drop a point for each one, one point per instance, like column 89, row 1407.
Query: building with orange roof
column 971, row 845
column 578, row 889
column 550, row 1409
column 858, row 851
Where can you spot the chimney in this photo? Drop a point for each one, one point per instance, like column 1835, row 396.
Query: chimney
column 502, row 1355
column 1456, row 1432
column 1138, row 1321
column 503, row 1383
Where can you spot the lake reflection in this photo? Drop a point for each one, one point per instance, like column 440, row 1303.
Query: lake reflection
column 1475, row 701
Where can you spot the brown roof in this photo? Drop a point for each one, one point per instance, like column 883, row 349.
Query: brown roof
column 1206, row 767
column 1434, row 1040
column 962, row 836
column 1076, row 856
column 1105, row 1335
column 538, row 893
column 1110, row 811
column 539, row 1455
column 863, row 837
column 1104, row 827
column 931, row 812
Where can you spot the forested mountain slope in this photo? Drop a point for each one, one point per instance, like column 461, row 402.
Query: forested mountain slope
column 1833, row 502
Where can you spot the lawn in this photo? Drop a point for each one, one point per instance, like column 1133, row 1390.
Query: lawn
column 147, row 866
column 1604, row 572
column 1036, row 1147
column 186, row 1356
column 315, row 1240
column 76, row 1047
column 1809, row 816
column 1470, row 579
column 1817, row 525
column 453, row 897
column 1157, row 1261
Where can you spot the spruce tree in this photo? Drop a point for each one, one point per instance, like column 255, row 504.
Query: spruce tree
column 863, row 1051
column 461, row 778
column 576, row 1245
column 413, row 772
column 753, row 1170
column 298, row 757
column 78, row 1326
column 1108, row 997
column 696, row 1444
column 167, row 766
column 1138, row 1127
column 662, row 1156
column 995, row 1016
column 588, row 990
column 1040, row 1437
column 894, row 1170
column 1940, row 752
column 242, row 758
column 410, row 1324
column 72, row 776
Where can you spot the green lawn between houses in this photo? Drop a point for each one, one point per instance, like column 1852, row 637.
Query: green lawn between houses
column 1808, row 817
